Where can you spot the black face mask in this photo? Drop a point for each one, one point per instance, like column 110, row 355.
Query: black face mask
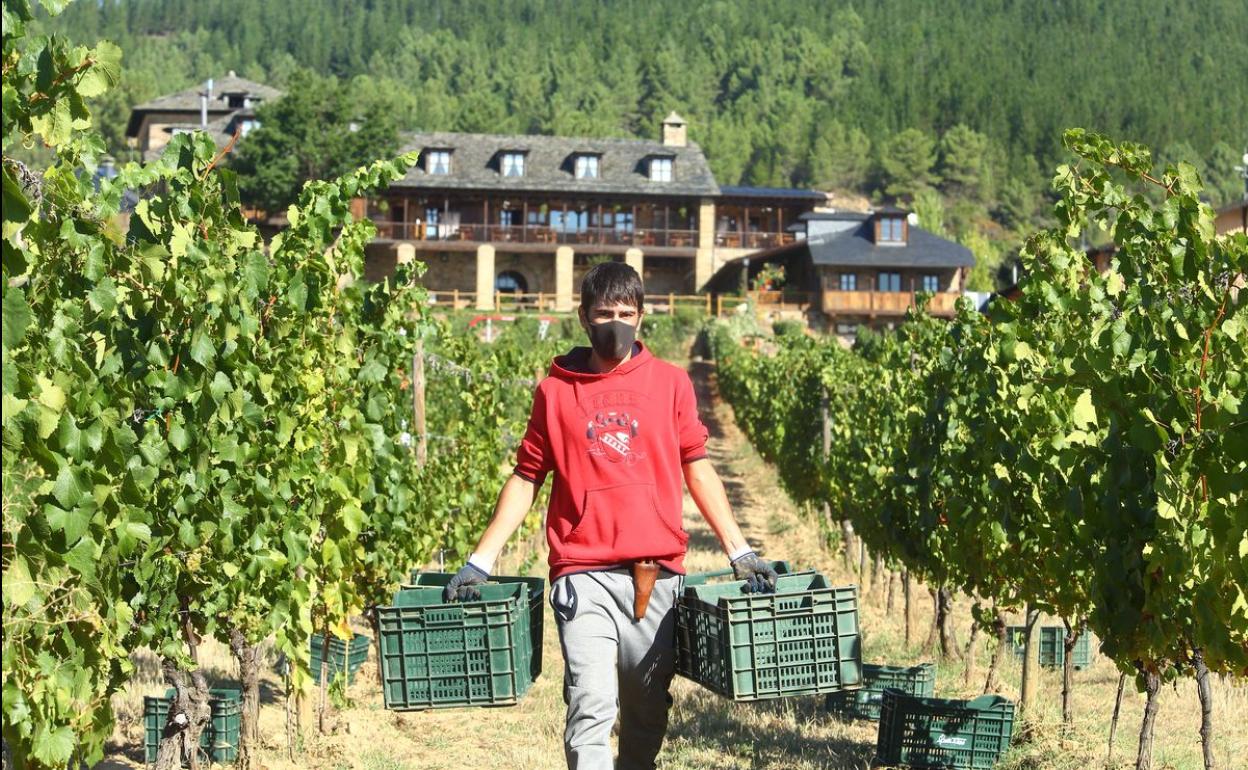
column 612, row 340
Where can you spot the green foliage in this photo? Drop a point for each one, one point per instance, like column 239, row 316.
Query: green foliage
column 808, row 94
column 195, row 426
column 907, row 163
column 1084, row 451
column 318, row 130
column 964, row 163
column 773, row 97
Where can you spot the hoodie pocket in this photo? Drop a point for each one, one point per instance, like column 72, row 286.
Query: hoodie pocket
column 624, row 522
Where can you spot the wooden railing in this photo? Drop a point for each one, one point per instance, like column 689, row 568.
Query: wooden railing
column 733, row 240
column 547, row 302
column 478, row 233
column 884, row 302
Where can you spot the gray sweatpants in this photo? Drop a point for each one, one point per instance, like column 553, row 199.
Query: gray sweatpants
column 613, row 664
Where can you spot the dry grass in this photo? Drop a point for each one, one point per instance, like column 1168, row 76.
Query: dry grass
column 708, row 732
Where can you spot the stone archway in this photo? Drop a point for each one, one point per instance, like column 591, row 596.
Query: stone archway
column 511, row 282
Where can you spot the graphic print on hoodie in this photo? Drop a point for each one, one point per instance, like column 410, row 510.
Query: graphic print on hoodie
column 616, row 443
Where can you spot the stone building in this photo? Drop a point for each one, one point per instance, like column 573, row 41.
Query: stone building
column 529, row 214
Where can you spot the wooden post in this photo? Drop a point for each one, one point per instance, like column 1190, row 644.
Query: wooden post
column 524, row 220
column 671, row 303
column 418, row 404
column 455, row 299
column 541, row 301
column 719, row 306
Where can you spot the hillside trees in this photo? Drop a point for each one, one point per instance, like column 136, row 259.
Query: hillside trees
column 320, row 129
column 1017, row 75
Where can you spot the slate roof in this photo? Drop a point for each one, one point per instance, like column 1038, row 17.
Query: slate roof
column 187, row 101
column 549, row 165
column 773, row 192
column 856, row 248
column 853, row 247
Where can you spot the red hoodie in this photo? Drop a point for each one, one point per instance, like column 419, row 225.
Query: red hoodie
column 616, row 442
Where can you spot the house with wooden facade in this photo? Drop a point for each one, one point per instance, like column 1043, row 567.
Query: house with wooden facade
column 529, row 214
column 222, row 107
column 858, row 269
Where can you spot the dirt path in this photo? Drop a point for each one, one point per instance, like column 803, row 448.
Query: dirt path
column 707, row 732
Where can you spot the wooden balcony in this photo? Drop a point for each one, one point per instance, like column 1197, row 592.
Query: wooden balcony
column 538, row 235
column 728, row 239
column 884, row 303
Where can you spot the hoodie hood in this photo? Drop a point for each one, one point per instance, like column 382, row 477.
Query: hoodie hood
column 574, row 365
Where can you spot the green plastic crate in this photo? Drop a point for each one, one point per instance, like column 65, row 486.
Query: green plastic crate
column 439, row 655
column 702, row 578
column 219, row 740
column 934, row 732
column 801, row 640
column 917, row 680
column 343, row 656
column 1052, row 652
column 537, row 606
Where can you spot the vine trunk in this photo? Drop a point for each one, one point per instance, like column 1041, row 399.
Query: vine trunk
column 248, row 657
column 992, row 684
column 188, row 714
column 1206, row 706
column 1144, row 757
column 1068, row 672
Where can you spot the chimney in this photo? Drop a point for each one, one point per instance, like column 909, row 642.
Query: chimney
column 675, row 131
column 204, row 97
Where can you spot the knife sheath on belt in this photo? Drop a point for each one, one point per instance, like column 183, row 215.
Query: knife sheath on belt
column 644, row 575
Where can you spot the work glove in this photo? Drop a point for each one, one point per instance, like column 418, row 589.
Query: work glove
column 757, row 573
column 463, row 586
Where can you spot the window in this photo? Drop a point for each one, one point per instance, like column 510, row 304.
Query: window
column 660, row 169
column 236, row 101
column 508, row 218
column 586, row 166
column 512, row 164
column 624, row 221
column 892, row 230
column 438, row 162
column 889, row 282
column 849, row 282
column 247, row 124
column 931, row 283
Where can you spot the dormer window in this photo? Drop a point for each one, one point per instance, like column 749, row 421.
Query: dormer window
column 438, row 162
column 661, row 169
column 236, row 101
column 586, row 166
column 512, row 164
column 890, row 229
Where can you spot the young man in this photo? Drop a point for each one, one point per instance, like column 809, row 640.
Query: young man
column 618, row 428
